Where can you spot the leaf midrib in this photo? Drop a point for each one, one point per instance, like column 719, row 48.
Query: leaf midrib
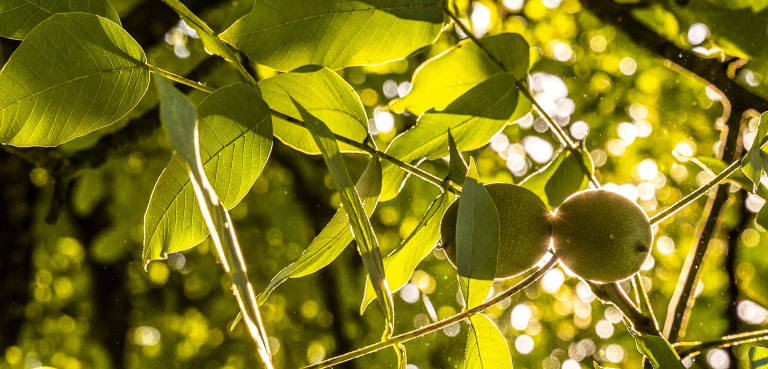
column 120, row 70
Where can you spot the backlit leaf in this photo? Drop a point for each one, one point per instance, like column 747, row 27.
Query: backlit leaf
column 235, row 142
column 336, row 235
column 442, row 79
column 661, row 354
column 477, row 240
column 73, row 74
column 179, row 117
column 19, row 17
column 326, row 96
column 474, row 118
column 361, row 226
column 756, row 160
column 486, row 346
column 758, row 358
column 336, row 34
column 465, row 91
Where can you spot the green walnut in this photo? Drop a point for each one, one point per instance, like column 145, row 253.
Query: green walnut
column 524, row 229
column 601, row 236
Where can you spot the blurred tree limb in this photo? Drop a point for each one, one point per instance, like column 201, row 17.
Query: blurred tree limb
column 684, row 297
column 711, row 70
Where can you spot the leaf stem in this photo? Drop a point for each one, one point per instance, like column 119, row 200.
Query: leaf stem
column 641, row 322
column 560, row 133
column 691, row 349
column 645, row 302
column 431, row 178
column 693, row 196
column 200, row 26
column 404, row 337
column 177, row 78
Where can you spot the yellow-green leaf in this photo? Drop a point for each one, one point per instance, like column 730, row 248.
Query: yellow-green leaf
column 288, row 34
column 486, row 346
column 73, row 74
column 477, row 240
column 326, row 96
column 19, row 17
column 235, row 142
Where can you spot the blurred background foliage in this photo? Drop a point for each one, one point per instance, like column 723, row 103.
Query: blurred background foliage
column 81, row 298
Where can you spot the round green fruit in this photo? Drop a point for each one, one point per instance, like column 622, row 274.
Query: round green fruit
column 601, row 236
column 524, row 229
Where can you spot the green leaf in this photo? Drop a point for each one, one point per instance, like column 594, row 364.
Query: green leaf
column 477, row 240
column 326, row 96
column 755, row 162
column 474, row 118
column 562, row 177
column 361, row 226
column 400, row 265
column 758, row 357
column 762, row 217
column 179, row 117
column 444, row 78
column 486, row 346
column 73, row 74
column 336, row 235
column 235, row 142
column 658, row 350
column 19, row 17
column 457, row 167
column 336, row 34
column 462, row 90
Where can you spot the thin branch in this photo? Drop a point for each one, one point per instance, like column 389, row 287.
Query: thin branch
column 405, row 337
column 695, row 195
column 180, row 79
column 711, row 70
column 641, row 322
column 209, row 35
column 691, row 349
column 645, row 302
